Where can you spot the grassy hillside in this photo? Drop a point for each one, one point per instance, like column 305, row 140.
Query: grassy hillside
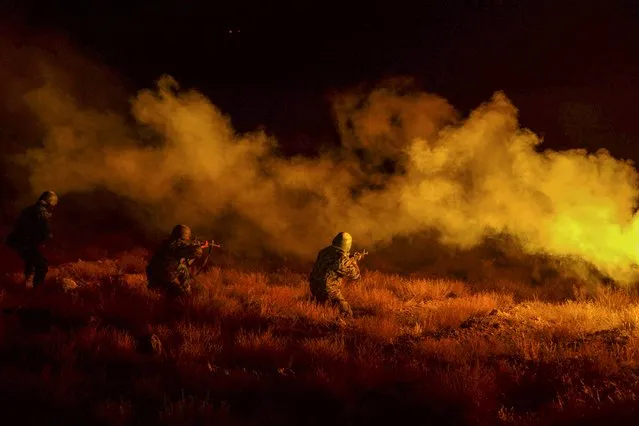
column 251, row 349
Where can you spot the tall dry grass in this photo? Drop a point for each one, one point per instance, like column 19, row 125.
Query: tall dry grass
column 251, row 348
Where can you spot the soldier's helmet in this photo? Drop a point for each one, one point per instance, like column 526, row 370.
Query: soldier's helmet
column 49, row 198
column 343, row 241
column 181, row 232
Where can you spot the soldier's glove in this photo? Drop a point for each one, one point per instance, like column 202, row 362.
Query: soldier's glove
column 357, row 256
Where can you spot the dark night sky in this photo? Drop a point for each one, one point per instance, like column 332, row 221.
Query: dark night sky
column 570, row 66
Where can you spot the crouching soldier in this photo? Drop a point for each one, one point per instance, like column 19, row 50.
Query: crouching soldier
column 31, row 231
column 332, row 266
column 168, row 269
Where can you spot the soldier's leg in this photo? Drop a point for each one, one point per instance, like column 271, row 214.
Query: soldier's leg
column 183, row 280
column 41, row 268
column 177, row 288
column 318, row 293
column 186, row 287
column 338, row 300
column 29, row 267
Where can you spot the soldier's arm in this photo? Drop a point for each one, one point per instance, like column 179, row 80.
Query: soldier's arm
column 349, row 268
column 190, row 251
column 44, row 226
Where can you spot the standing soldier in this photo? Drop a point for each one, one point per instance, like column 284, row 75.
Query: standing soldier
column 31, row 231
column 168, row 269
column 333, row 264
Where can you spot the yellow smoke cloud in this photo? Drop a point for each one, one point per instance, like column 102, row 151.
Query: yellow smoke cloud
column 468, row 178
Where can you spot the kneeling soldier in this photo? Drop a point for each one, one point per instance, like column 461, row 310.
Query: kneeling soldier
column 332, row 266
column 168, row 269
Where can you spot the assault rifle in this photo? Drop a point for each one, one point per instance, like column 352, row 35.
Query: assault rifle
column 357, row 256
column 205, row 244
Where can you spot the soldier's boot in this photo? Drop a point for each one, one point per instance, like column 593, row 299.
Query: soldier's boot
column 28, row 281
column 346, row 310
column 29, row 271
column 39, row 277
column 41, row 267
column 344, row 307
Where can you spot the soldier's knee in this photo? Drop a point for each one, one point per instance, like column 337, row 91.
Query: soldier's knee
column 343, row 304
column 336, row 297
column 345, row 309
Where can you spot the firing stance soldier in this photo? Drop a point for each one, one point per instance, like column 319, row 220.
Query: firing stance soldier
column 332, row 266
column 168, row 269
column 31, row 231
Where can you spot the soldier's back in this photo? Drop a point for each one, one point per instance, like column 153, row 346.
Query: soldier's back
column 165, row 262
column 326, row 264
column 29, row 227
column 160, row 262
column 26, row 218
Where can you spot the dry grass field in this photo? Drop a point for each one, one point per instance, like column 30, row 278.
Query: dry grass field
column 250, row 348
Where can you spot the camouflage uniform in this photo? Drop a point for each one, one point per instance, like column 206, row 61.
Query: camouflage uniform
column 169, row 267
column 332, row 266
column 31, row 231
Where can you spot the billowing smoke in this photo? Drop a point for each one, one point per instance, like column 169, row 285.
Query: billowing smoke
column 408, row 163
